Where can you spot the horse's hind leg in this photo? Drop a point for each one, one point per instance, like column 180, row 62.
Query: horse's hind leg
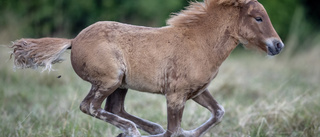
column 206, row 100
column 92, row 105
column 115, row 105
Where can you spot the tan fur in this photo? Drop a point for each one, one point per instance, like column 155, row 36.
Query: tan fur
column 191, row 16
column 233, row 2
column 31, row 53
column 178, row 60
column 198, row 10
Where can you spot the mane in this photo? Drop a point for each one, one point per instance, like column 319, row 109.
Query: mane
column 199, row 10
column 191, row 15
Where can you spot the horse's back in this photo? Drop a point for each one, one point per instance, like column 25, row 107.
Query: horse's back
column 143, row 58
column 106, row 51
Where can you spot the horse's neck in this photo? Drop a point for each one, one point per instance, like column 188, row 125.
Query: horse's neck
column 218, row 39
column 218, row 50
column 222, row 48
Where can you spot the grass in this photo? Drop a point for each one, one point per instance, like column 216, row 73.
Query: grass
column 262, row 96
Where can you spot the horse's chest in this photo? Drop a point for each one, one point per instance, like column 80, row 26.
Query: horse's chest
column 186, row 84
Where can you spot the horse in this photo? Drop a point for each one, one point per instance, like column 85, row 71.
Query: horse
column 178, row 60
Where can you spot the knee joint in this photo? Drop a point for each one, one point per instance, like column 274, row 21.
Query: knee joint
column 220, row 111
column 84, row 107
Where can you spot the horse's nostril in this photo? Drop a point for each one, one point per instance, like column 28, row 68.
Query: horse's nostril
column 278, row 44
column 274, row 46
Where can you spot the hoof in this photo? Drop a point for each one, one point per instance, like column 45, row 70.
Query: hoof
column 120, row 135
column 126, row 135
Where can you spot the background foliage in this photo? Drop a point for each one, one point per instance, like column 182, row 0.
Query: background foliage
column 40, row 18
column 60, row 17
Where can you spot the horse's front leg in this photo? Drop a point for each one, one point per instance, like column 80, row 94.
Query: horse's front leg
column 206, row 100
column 115, row 105
column 175, row 107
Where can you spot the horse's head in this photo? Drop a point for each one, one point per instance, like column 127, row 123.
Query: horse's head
column 256, row 30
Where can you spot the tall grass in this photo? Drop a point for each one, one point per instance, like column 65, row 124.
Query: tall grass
column 263, row 96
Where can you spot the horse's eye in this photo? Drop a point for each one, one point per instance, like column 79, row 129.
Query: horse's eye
column 258, row 19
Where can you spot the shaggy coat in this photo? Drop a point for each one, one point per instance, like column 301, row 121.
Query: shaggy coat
column 178, row 60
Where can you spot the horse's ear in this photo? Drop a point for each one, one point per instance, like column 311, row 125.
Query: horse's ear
column 234, row 2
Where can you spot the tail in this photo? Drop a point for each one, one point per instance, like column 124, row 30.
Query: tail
column 32, row 53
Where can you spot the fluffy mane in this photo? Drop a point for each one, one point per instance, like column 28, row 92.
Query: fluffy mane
column 191, row 15
column 198, row 10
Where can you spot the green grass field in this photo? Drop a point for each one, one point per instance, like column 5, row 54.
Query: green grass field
column 263, row 96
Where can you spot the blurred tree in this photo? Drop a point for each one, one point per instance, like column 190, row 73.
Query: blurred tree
column 59, row 17
column 313, row 10
column 281, row 14
column 38, row 18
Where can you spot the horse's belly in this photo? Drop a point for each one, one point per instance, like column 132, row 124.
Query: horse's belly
column 142, row 85
column 144, row 79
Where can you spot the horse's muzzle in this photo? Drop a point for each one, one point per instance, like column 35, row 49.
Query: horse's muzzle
column 274, row 47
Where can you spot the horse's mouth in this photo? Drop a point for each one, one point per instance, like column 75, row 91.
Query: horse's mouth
column 274, row 47
column 273, row 52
